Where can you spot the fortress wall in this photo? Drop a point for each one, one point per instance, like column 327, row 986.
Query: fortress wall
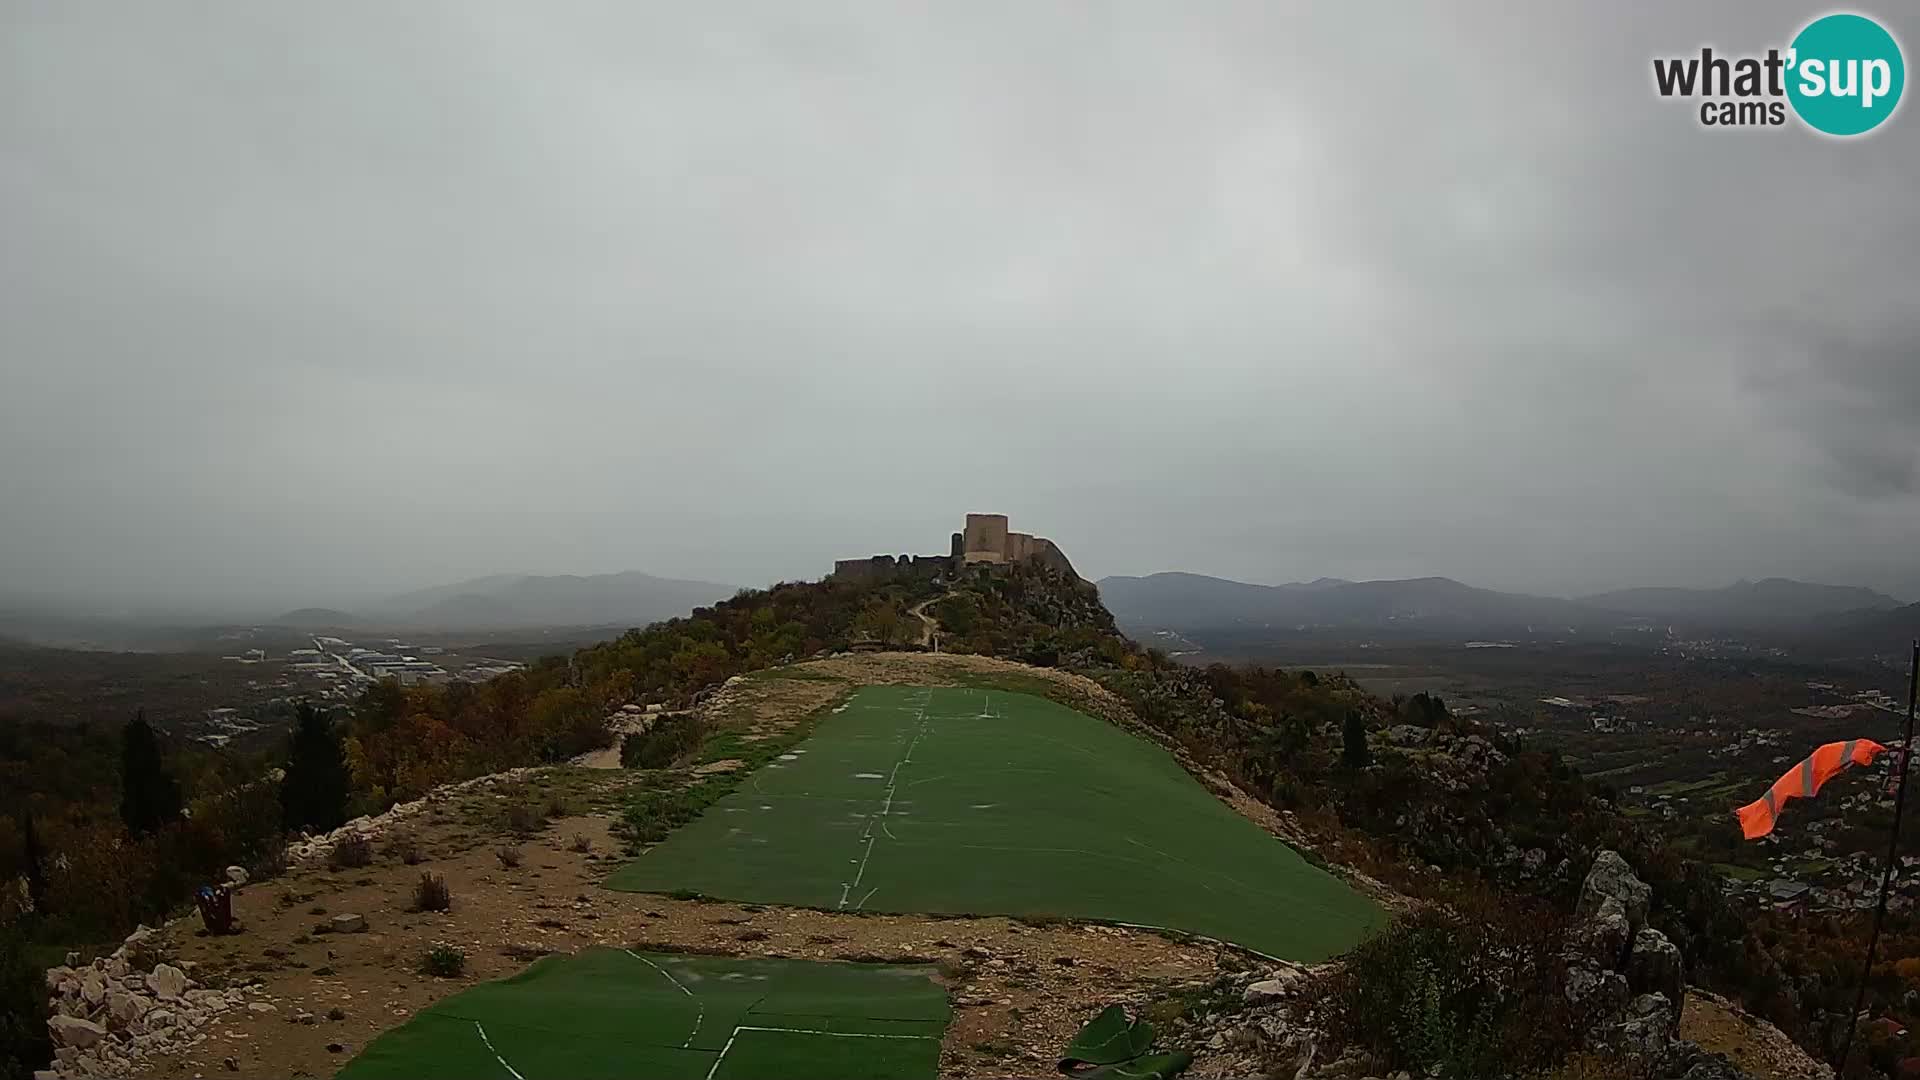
column 1047, row 553
column 985, row 540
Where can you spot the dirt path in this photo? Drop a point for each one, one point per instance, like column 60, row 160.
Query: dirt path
column 929, row 626
column 1753, row 1045
column 1020, row 991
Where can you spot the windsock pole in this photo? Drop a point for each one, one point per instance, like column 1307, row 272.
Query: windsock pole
column 1886, row 874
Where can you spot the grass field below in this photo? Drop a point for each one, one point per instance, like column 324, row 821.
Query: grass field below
column 984, row 802
column 619, row 1013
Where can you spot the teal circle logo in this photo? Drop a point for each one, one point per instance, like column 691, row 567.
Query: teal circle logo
column 1845, row 74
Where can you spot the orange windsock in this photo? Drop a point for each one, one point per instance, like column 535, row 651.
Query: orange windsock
column 1800, row 782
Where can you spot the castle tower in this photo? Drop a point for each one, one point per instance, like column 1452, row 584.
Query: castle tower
column 985, row 539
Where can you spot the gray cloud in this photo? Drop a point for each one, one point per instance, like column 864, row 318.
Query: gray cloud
column 307, row 302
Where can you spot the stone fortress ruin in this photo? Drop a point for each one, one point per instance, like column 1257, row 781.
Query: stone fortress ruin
column 984, row 542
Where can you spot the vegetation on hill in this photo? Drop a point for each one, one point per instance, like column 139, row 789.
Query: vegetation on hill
column 1403, row 790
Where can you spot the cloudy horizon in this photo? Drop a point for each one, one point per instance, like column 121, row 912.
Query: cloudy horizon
column 311, row 304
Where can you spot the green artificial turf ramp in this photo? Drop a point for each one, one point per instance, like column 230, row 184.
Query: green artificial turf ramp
column 983, row 802
column 617, row 1013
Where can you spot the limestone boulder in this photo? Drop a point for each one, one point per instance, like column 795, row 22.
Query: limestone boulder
column 124, row 1008
column 1597, row 991
column 1644, row 1029
column 1656, row 967
column 93, row 988
column 167, row 982
column 1611, row 876
column 75, row 1032
column 348, row 924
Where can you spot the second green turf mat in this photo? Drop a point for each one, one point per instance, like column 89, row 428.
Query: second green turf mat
column 615, row 1013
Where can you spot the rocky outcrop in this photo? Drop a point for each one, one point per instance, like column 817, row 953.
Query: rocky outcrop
column 1630, row 978
column 1612, row 879
column 1654, row 966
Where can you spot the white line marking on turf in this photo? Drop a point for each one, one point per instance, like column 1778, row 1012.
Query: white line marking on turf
column 799, row 1031
column 701, row 1005
column 496, row 1053
column 846, row 887
column 864, row 899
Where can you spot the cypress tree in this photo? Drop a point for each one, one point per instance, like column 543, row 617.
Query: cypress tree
column 313, row 793
column 36, row 866
column 149, row 797
column 1355, row 751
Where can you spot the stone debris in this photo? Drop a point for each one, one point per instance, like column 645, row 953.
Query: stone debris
column 109, row 1016
column 308, row 848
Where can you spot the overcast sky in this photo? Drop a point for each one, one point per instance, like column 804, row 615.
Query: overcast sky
column 303, row 302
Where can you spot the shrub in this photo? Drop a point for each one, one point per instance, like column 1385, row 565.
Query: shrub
column 443, row 962
column 666, row 742
column 103, row 885
column 430, row 893
column 1474, row 990
column 24, row 1045
column 581, row 843
column 522, row 818
column 557, row 806
column 352, row 852
column 509, row 855
column 269, row 863
column 405, row 848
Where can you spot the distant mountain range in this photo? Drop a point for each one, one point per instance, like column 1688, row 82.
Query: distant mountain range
column 1774, row 599
column 1181, row 601
column 524, row 601
column 1194, row 602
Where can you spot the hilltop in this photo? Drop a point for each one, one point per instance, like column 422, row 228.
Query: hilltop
column 1464, row 830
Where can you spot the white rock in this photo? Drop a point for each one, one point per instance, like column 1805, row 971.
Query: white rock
column 159, row 1019
column 72, row 1031
column 261, row 1007
column 125, row 1008
column 117, row 966
column 1268, row 990
column 93, row 988
column 167, row 982
column 58, row 976
column 349, row 924
column 236, row 876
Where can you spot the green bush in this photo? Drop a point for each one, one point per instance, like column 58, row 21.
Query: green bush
column 443, row 962
column 669, row 740
column 430, row 893
column 522, row 818
column 1479, row 992
column 351, row 853
column 24, row 1046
